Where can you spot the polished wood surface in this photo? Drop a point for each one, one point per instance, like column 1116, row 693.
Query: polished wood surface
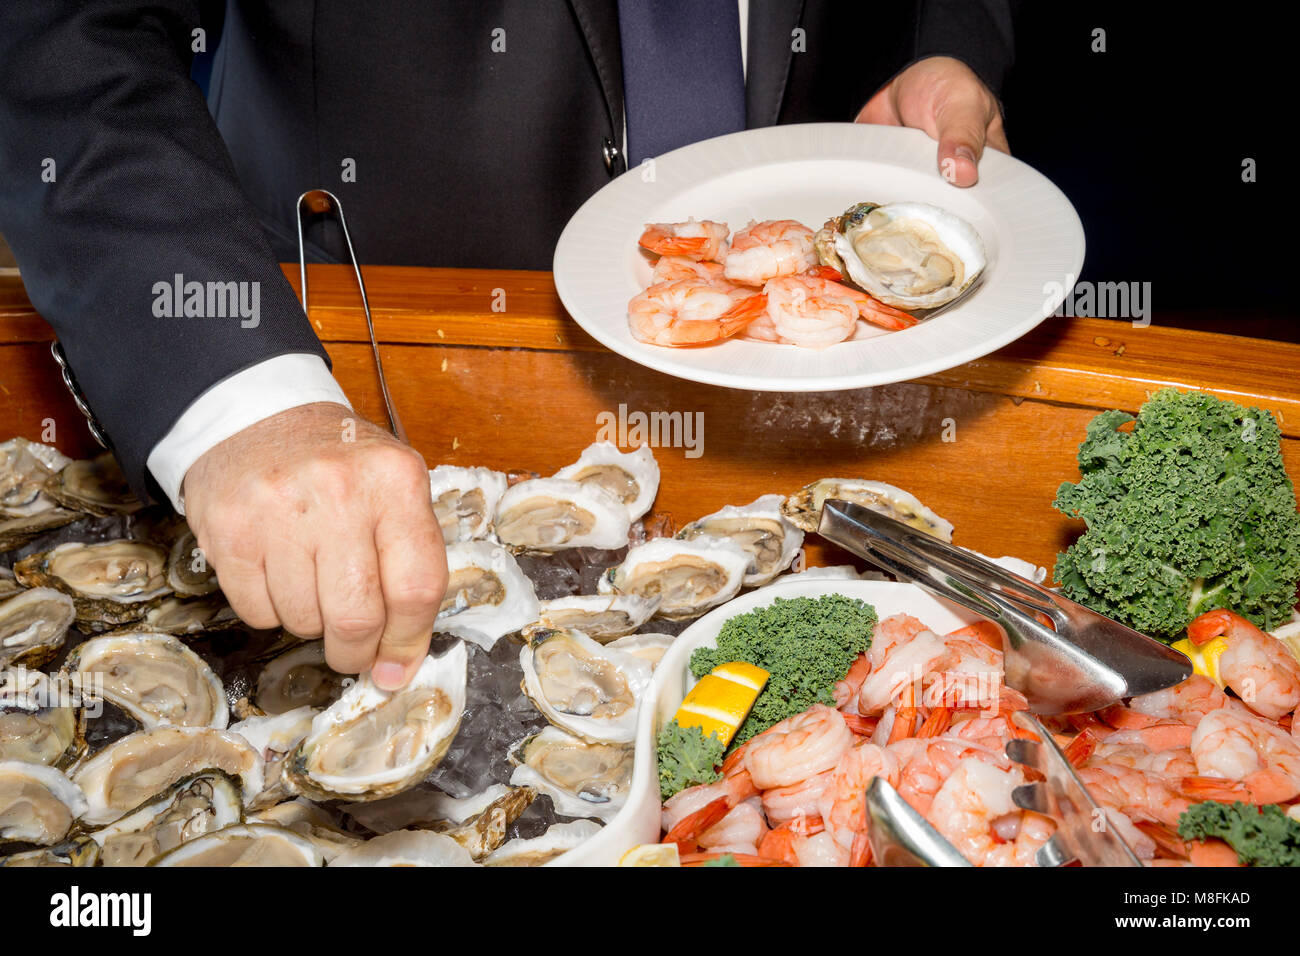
column 986, row 444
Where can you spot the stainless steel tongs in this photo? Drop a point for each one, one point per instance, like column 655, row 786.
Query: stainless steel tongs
column 1064, row 657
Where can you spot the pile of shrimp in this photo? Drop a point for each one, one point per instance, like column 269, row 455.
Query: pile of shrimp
column 764, row 284
column 931, row 715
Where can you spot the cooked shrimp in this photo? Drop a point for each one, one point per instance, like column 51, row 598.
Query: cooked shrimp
column 734, row 788
column 674, row 268
column 904, row 664
column 1256, row 665
column 769, row 250
column 740, row 831
column 846, row 691
column 691, row 312
column 843, row 802
column 817, row 313
column 1176, row 762
column 1189, row 701
column 1262, row 757
column 1139, row 794
column 693, row 239
column 798, row 747
column 925, row 763
column 969, row 809
column 798, row 800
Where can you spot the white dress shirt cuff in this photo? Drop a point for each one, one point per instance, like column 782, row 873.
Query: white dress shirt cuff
column 233, row 404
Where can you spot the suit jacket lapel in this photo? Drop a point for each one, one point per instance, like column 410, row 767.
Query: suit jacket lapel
column 771, row 23
column 599, row 22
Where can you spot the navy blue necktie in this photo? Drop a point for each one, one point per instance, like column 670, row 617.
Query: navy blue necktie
column 682, row 75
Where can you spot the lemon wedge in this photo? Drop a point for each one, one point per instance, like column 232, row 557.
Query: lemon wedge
column 722, row 699
column 651, row 854
column 1205, row 658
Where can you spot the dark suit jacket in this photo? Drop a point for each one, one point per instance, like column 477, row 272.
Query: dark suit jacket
column 463, row 156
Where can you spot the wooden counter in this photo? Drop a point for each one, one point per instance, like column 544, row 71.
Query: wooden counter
column 985, row 444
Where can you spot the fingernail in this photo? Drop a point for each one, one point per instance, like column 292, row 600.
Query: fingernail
column 388, row 675
column 965, row 152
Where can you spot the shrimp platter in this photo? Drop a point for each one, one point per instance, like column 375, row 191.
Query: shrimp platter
column 778, row 281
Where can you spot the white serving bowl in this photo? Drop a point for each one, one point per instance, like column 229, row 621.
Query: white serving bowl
column 638, row 821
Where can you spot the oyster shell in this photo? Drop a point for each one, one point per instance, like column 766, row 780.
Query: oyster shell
column 631, row 477
column 649, row 647
column 538, row 851
column 34, row 625
column 407, row 848
column 188, row 571
column 38, row 804
column 245, row 844
column 581, row 778
column 191, row 807
column 465, row 500
column 153, row 677
column 582, row 687
column 17, row 532
column 191, row 615
column 759, row 528
column 110, row 582
column 136, row 768
column 36, row 725
column 372, row 743
column 94, row 486
column 307, row 819
column 689, row 576
column 548, row 514
column 78, row 851
column 275, row 737
column 602, row 617
column 25, row 467
column 298, row 677
column 909, row 255
column 804, row 507
column 487, row 596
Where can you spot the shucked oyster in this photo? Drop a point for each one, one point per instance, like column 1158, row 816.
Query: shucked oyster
column 311, row 821
column 689, row 577
column 245, row 844
column 407, row 848
column 37, row 724
column 487, row 596
column 371, row 743
column 275, row 738
column 547, row 514
column 25, row 467
column 191, row 615
column 465, row 500
column 33, row 626
column 582, row 687
column 298, row 677
column 538, row 851
column 582, row 779
column 95, row 486
column 631, row 477
column 111, row 582
column 804, row 507
column 153, row 677
column 194, row 806
column 649, row 647
column 760, row 529
column 38, row 804
column 188, row 571
column 909, row 255
column 602, row 617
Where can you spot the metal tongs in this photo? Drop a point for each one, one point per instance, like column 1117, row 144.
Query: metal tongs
column 324, row 202
column 1064, row 657
column 900, row 836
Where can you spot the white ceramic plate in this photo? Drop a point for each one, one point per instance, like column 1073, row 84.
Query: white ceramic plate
column 638, row 821
column 811, row 172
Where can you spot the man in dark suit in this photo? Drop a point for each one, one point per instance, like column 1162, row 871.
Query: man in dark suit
column 456, row 134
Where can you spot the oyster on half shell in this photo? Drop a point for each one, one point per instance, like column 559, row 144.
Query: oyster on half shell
column 38, row 804
column 110, row 582
column 631, row 477
column 245, row 844
column 297, row 677
column 487, row 596
column 804, row 507
column 191, row 807
column 602, row 617
column 759, row 528
column 34, row 625
column 688, row 576
column 465, row 500
column 38, row 724
column 584, row 687
column 94, row 486
column 582, row 779
column 548, row 514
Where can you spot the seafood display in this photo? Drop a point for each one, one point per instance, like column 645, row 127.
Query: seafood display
column 777, row 281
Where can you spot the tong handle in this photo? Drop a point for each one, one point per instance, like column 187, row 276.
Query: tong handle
column 324, row 202
column 900, row 836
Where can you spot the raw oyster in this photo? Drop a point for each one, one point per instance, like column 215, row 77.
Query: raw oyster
column 407, row 848
column 547, row 514
column 16, row 532
column 245, row 844
column 298, row 677
column 631, row 477
column 372, row 743
column 582, row 687
column 194, row 806
column 36, row 724
column 465, row 500
column 688, row 576
column 78, row 851
column 909, row 255
column 760, row 529
column 307, row 819
column 485, row 830
column 649, row 647
column 538, row 851
column 582, row 779
column 602, row 617
column 139, row 766
column 38, row 804
column 487, row 596
column 33, row 626
column 94, row 486
column 804, row 507
column 275, row 737
column 188, row 571
column 25, row 467
column 111, row 582
column 153, row 677
column 191, row 615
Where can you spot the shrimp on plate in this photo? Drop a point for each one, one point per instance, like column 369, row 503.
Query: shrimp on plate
column 1189, row 701
column 674, row 268
column 813, row 312
column 1257, row 666
column 973, row 809
column 691, row 312
column 694, row 239
column 1255, row 759
column 842, row 804
column 769, row 250
column 798, row 747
